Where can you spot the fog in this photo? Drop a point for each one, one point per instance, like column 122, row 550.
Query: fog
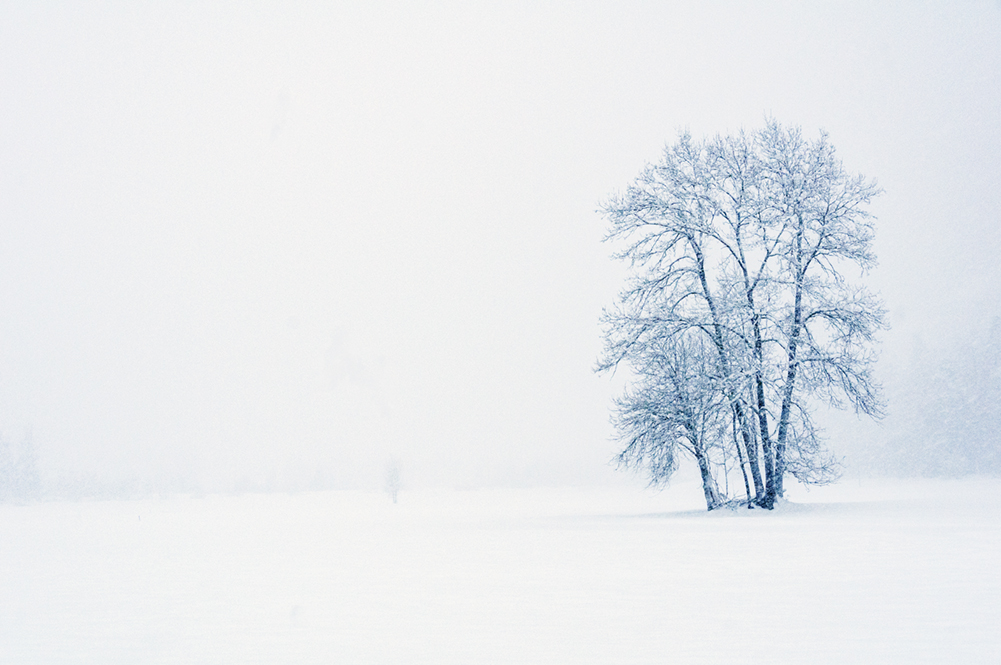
column 281, row 246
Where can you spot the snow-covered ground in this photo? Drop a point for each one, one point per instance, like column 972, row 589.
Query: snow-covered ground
column 861, row 572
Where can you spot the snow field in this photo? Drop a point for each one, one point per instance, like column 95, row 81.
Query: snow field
column 873, row 572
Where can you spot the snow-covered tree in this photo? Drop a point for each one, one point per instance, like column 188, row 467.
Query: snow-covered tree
column 676, row 406
column 739, row 247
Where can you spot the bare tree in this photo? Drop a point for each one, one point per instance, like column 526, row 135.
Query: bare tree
column 676, row 406
column 829, row 324
column 738, row 245
column 670, row 225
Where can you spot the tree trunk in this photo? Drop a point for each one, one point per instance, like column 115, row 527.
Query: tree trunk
column 783, row 431
column 766, row 440
column 793, row 363
column 740, row 458
column 751, row 448
column 766, row 445
column 708, row 484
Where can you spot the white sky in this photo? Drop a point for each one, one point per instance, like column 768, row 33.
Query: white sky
column 279, row 244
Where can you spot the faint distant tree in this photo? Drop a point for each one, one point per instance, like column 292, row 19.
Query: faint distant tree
column 742, row 242
column 19, row 479
column 392, row 485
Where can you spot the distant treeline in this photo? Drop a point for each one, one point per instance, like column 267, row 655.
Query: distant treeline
column 944, row 412
column 18, row 469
